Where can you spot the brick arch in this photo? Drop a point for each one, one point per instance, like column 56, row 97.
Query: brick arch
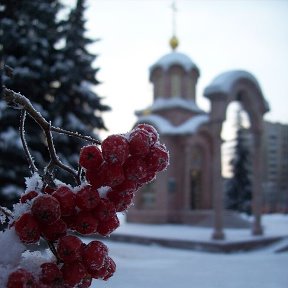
column 241, row 86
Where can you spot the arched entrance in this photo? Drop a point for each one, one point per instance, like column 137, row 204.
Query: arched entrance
column 243, row 87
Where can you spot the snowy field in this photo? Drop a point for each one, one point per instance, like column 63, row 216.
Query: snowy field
column 156, row 267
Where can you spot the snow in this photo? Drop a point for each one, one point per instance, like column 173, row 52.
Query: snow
column 174, row 58
column 165, row 127
column 154, row 266
column 224, row 82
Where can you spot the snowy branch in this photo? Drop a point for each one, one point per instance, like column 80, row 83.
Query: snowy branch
column 18, row 101
column 24, row 143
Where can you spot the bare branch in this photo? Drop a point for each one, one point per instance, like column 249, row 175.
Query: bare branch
column 19, row 101
column 24, row 143
column 75, row 134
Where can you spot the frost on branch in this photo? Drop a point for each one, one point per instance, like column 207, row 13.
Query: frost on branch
column 57, row 214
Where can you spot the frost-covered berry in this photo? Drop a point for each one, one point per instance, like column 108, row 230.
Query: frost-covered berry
column 120, row 202
column 21, row 278
column 108, row 175
column 104, row 210
column 73, row 273
column 87, row 198
column 66, row 198
column 94, row 255
column 115, row 149
column 54, row 231
column 69, row 248
column 106, row 227
column 85, row 223
column 51, row 275
column 46, row 209
column 27, row 229
column 90, row 157
column 158, row 158
column 139, row 142
column 154, row 136
column 135, row 169
column 28, row 196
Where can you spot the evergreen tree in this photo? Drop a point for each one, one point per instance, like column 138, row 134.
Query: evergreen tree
column 239, row 188
column 76, row 107
column 29, row 33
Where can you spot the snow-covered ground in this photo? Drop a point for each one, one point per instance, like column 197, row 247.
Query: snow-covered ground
column 154, row 266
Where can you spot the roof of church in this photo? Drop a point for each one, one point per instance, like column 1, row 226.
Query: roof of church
column 224, row 81
column 165, row 127
column 173, row 58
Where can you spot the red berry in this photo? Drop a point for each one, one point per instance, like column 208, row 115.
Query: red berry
column 106, row 227
column 27, row 229
column 66, row 199
column 135, row 169
column 90, row 157
column 125, row 188
column 54, row 231
column 21, row 278
column 28, row 196
column 115, row 149
column 139, row 142
column 104, row 210
column 51, row 275
column 49, row 190
column 114, row 174
column 110, row 268
column 94, row 255
column 95, row 179
column 121, row 203
column 46, row 209
column 86, row 223
column 108, row 175
column 158, row 158
column 154, row 136
column 73, row 273
column 69, row 248
column 87, row 198
column 85, row 282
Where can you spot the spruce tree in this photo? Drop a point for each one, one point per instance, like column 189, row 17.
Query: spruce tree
column 239, row 188
column 29, row 33
column 76, row 106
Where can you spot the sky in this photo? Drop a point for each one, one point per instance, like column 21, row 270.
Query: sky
column 218, row 35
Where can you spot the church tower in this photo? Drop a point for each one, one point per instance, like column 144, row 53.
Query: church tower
column 184, row 188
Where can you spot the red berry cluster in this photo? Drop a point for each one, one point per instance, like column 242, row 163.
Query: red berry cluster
column 114, row 173
column 125, row 163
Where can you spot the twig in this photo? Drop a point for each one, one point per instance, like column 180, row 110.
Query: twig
column 24, row 143
column 75, row 134
column 19, row 101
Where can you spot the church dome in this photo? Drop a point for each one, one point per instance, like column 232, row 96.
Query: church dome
column 175, row 58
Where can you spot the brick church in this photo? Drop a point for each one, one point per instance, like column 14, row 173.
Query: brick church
column 191, row 189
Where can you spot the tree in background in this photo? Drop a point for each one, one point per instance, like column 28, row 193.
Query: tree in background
column 29, row 35
column 56, row 77
column 76, row 107
column 239, row 188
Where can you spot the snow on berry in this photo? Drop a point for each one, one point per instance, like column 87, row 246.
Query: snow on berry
column 21, row 278
column 33, row 183
column 73, row 273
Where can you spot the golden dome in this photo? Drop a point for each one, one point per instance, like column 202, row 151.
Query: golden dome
column 174, row 42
